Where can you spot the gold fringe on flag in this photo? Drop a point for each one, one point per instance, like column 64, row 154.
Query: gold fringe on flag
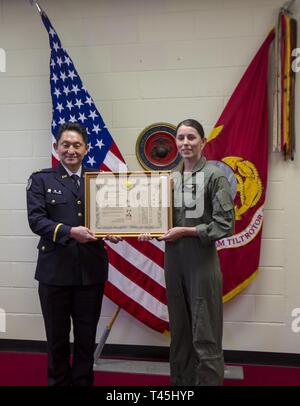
column 284, row 86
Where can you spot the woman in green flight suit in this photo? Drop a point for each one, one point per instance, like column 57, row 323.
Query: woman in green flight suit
column 203, row 212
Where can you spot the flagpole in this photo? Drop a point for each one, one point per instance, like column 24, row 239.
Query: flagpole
column 287, row 6
column 40, row 10
column 105, row 335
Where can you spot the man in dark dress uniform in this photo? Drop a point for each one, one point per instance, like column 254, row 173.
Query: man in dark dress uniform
column 72, row 263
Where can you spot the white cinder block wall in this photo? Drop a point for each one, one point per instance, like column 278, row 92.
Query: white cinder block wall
column 143, row 62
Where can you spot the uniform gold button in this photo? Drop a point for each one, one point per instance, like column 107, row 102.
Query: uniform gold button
column 53, row 201
column 79, row 214
column 78, row 201
column 43, row 248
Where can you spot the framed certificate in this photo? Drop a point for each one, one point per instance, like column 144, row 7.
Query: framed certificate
column 128, row 204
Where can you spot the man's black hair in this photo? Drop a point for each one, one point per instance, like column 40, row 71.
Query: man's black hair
column 79, row 128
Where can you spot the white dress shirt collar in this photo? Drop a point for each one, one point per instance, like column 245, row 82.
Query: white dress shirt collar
column 79, row 172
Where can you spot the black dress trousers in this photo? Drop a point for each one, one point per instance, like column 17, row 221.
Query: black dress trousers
column 59, row 305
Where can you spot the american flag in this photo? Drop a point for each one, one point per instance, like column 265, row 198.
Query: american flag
column 136, row 276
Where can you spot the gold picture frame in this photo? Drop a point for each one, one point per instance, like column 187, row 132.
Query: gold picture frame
column 128, row 204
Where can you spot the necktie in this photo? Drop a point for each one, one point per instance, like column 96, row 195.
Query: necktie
column 76, row 180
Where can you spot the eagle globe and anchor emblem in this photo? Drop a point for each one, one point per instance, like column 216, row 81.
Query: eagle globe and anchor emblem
column 245, row 182
column 156, row 147
column 244, row 179
column 246, row 190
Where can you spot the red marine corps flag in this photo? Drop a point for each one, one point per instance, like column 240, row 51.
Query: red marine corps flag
column 239, row 145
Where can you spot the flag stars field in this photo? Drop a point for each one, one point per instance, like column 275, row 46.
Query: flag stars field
column 66, row 90
column 99, row 144
column 72, row 119
column 56, row 46
column 91, row 161
column 59, row 107
column 82, row 117
column 72, row 74
column 59, row 61
column 96, row 129
column 57, row 92
column 68, row 60
column 54, row 78
column 93, row 114
column 89, row 101
column 78, row 103
column 63, row 76
column 70, row 105
column 75, row 89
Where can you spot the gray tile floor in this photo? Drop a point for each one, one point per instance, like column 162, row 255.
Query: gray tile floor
column 153, row 368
